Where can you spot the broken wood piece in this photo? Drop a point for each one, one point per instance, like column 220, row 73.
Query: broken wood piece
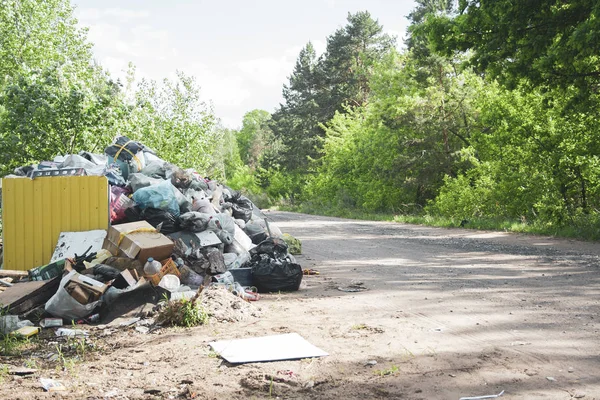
column 12, row 274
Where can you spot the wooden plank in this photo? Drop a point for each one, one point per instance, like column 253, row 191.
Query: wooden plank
column 12, row 273
column 22, row 297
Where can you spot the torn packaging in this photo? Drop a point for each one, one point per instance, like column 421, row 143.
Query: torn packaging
column 86, row 289
column 63, row 305
column 138, row 240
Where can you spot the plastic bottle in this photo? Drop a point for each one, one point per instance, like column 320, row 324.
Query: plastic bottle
column 152, row 266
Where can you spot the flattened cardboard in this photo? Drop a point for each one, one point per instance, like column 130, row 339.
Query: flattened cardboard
column 289, row 346
column 138, row 245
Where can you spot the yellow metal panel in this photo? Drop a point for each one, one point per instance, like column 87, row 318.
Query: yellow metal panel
column 35, row 212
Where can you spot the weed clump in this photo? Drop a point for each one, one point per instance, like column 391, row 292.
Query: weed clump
column 184, row 312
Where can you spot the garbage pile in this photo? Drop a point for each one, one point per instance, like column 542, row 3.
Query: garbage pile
column 173, row 233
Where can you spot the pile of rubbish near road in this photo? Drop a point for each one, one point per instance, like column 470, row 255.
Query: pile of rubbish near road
column 172, row 233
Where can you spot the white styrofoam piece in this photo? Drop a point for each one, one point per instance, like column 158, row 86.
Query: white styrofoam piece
column 289, row 346
column 71, row 243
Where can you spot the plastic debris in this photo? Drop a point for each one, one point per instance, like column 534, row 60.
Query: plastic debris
column 491, row 396
column 50, row 385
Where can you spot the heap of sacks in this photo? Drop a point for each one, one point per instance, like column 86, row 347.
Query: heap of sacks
column 181, row 203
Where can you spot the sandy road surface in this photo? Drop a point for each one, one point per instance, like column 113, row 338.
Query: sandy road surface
column 445, row 314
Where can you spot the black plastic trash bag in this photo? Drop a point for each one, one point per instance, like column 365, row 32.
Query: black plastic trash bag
column 105, row 273
column 241, row 206
column 256, row 232
column 124, row 149
column 156, row 216
column 273, row 247
column 133, row 214
column 270, row 275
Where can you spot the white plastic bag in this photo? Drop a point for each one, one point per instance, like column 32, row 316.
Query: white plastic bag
column 243, row 239
column 62, row 305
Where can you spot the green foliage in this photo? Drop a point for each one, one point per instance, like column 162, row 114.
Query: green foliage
column 36, row 35
column 10, row 345
column 186, row 313
column 535, row 162
column 50, row 112
column 170, row 117
column 255, row 137
column 53, row 99
column 545, row 41
column 393, row 153
column 318, row 88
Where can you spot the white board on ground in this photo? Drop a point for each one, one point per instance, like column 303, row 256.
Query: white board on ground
column 71, row 243
column 289, row 346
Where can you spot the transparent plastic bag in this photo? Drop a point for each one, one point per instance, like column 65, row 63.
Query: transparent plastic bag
column 158, row 196
column 62, row 305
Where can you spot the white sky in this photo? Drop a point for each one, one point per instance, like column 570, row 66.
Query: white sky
column 240, row 51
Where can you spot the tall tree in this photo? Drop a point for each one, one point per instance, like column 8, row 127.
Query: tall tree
column 318, row 88
column 169, row 117
column 553, row 42
column 296, row 121
column 53, row 98
column 40, row 34
column 254, row 137
column 348, row 61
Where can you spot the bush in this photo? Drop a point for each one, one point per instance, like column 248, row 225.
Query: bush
column 186, row 313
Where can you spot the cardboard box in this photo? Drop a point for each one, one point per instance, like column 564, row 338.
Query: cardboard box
column 126, row 278
column 85, row 290
column 139, row 241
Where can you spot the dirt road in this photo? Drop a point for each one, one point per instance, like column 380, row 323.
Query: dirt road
column 444, row 314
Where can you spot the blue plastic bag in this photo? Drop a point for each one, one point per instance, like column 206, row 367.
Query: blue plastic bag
column 160, row 196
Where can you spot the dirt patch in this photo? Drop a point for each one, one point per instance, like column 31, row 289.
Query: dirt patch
column 222, row 306
column 447, row 314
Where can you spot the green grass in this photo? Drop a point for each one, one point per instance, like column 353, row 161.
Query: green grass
column 184, row 313
column 389, row 371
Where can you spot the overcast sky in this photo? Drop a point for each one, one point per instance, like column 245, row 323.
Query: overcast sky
column 240, row 51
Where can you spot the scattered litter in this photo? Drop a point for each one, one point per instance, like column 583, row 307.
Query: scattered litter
column 551, row 379
column 71, row 332
column 289, row 346
column 26, row 331
column 50, row 385
column 9, row 323
column 22, row 371
column 192, row 230
column 491, row 396
column 142, row 329
column 520, row 343
column 6, row 282
column 51, row 322
column 371, row 363
column 129, row 322
column 310, row 272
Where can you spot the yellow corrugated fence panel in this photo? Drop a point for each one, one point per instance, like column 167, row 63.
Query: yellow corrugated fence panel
column 36, row 211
